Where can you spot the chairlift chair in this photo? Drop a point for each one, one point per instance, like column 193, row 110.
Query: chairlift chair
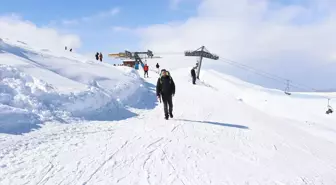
column 287, row 88
column 330, row 109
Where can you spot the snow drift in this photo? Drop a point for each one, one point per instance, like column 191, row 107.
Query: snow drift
column 39, row 86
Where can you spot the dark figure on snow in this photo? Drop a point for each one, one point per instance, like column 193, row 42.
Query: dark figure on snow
column 193, row 75
column 101, row 57
column 71, row 50
column 97, row 56
column 146, row 70
column 66, row 48
column 158, row 67
column 165, row 89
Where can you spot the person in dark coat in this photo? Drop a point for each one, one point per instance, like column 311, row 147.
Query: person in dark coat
column 193, row 75
column 101, row 57
column 165, row 89
column 97, row 56
column 158, row 67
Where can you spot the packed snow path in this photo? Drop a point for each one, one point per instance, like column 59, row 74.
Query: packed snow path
column 213, row 139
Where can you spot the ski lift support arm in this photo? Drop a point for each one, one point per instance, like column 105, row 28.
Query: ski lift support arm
column 201, row 52
column 135, row 55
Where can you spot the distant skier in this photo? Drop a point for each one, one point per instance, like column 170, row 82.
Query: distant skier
column 146, row 70
column 193, row 75
column 97, row 56
column 71, row 50
column 66, row 48
column 101, row 57
column 158, row 67
column 165, row 89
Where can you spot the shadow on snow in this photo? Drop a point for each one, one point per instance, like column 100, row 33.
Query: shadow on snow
column 216, row 123
column 147, row 98
column 18, row 123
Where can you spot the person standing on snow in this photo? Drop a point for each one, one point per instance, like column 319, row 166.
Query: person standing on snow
column 165, row 89
column 158, row 67
column 97, row 56
column 193, row 75
column 101, row 57
column 146, row 70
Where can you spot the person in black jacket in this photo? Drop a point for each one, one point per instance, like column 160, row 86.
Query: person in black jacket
column 165, row 89
column 158, row 67
column 97, row 56
column 193, row 75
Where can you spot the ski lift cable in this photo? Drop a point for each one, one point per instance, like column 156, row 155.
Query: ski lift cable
column 170, row 53
column 272, row 76
column 292, row 84
column 254, row 70
column 269, row 75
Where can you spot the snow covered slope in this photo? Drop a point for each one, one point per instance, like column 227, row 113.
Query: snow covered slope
column 224, row 130
column 38, row 86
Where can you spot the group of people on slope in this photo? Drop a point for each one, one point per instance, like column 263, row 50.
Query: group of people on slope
column 66, row 48
column 99, row 56
column 146, row 68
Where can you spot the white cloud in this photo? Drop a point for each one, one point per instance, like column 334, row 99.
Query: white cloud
column 174, row 3
column 293, row 41
column 109, row 13
column 98, row 16
column 121, row 29
column 70, row 22
column 14, row 27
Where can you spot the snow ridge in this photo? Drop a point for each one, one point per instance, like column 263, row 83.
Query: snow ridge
column 26, row 102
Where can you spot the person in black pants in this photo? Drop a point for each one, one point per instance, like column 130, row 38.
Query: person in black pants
column 193, row 75
column 165, row 89
column 158, row 67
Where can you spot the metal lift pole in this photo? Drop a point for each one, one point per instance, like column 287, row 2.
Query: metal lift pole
column 200, row 64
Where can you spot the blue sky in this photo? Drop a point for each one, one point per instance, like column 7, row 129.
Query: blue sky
column 42, row 12
column 97, row 34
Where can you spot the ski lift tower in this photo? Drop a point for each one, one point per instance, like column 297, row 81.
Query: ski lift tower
column 201, row 52
column 135, row 55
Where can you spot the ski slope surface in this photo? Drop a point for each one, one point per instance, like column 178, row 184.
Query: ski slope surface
column 66, row 119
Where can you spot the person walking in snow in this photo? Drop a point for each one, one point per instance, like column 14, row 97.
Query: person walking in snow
column 97, row 56
column 193, row 75
column 146, row 70
column 165, row 89
column 101, row 57
column 158, row 68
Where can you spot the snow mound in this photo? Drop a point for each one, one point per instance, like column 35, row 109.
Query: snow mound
column 20, row 107
column 26, row 102
column 41, row 86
